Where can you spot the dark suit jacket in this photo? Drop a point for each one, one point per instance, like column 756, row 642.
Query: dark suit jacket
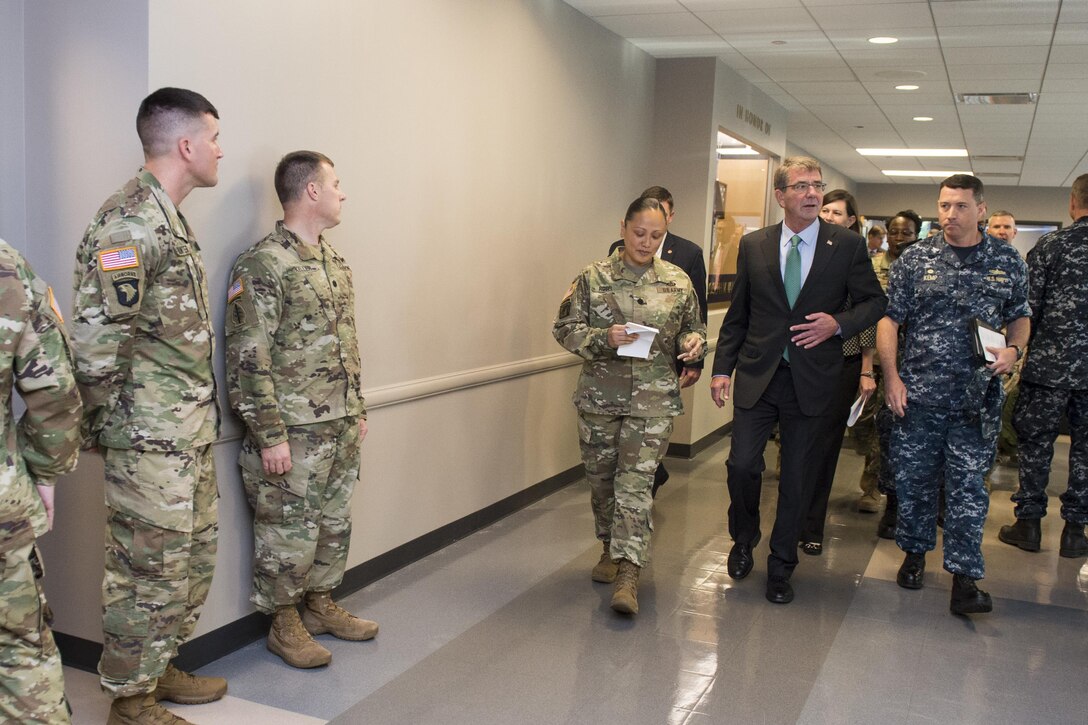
column 756, row 327
column 688, row 256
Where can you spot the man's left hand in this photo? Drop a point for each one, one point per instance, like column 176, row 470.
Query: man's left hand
column 1006, row 360
column 820, row 326
column 689, row 376
column 362, row 429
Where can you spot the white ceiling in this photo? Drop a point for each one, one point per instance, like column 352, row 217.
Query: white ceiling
column 813, row 57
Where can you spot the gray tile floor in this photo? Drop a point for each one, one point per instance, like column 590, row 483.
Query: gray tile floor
column 506, row 627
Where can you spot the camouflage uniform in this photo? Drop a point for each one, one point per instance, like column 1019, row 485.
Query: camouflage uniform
column 626, row 405
column 143, row 342
column 294, row 375
column 1055, row 375
column 34, row 357
column 953, row 404
column 873, row 429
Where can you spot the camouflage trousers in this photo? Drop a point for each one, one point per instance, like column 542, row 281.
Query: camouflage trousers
column 923, row 443
column 302, row 519
column 867, row 432
column 161, row 539
column 1037, row 417
column 31, row 679
column 620, row 454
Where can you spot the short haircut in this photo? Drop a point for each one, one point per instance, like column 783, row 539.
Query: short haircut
column 661, row 194
column 644, row 203
column 1080, row 191
column 913, row 216
column 165, row 114
column 794, row 163
column 965, row 181
column 851, row 205
column 295, row 171
column 1002, row 212
column 876, row 231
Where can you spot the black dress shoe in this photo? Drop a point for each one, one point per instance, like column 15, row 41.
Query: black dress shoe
column 739, row 564
column 779, row 591
column 1073, row 544
column 912, row 571
column 885, row 529
column 1025, row 534
column 967, row 598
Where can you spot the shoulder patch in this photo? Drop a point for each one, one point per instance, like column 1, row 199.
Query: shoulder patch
column 118, row 258
column 235, row 289
column 53, row 304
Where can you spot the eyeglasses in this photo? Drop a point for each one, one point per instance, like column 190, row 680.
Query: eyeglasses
column 802, row 187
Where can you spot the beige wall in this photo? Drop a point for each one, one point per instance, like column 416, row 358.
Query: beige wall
column 1025, row 202
column 488, row 151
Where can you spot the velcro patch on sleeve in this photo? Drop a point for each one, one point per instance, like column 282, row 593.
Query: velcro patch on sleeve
column 116, row 258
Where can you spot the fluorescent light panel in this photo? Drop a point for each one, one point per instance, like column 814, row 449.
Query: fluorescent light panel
column 894, row 172
column 914, row 152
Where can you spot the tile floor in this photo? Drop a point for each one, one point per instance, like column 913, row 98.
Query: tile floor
column 506, row 627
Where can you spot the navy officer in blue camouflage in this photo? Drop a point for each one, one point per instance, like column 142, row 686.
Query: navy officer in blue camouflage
column 946, row 401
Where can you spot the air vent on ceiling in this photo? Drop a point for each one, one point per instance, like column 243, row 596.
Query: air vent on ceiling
column 997, row 99
column 976, row 157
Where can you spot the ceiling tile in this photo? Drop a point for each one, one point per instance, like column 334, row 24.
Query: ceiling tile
column 810, row 74
column 1065, row 71
column 681, row 46
column 995, row 12
column 793, row 59
column 593, row 8
column 996, row 71
column 653, row 25
column 995, row 36
column 894, row 57
column 871, row 20
column 1071, row 34
column 755, row 20
column 765, row 42
column 997, row 54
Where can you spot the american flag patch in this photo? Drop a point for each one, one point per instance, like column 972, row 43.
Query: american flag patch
column 118, row 258
column 235, row 290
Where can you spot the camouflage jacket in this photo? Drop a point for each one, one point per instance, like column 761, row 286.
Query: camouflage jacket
column 882, row 265
column 1058, row 274
column 34, row 357
column 292, row 350
column 936, row 296
column 142, row 332
column 608, row 293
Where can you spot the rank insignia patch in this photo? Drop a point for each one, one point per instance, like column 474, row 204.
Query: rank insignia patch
column 118, row 258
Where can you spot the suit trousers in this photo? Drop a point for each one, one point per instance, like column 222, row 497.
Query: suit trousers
column 827, row 452
column 800, row 436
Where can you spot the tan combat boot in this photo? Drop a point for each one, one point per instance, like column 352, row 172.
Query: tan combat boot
column 141, row 710
column 625, row 590
column 321, row 614
column 290, row 640
column 186, row 689
column 605, row 571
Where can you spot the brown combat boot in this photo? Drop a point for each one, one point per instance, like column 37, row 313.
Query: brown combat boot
column 186, row 689
column 605, row 571
column 625, row 589
column 321, row 614
column 290, row 640
column 141, row 710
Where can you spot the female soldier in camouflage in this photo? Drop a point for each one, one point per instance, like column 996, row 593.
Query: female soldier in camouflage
column 626, row 405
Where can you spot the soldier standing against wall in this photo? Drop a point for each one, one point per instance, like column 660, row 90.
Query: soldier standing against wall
column 143, row 342
column 34, row 357
column 294, row 378
column 948, row 404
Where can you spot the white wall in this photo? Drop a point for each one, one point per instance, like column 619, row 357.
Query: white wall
column 488, row 151
column 12, row 132
column 1032, row 203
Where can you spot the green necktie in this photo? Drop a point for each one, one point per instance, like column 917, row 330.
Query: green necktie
column 792, row 279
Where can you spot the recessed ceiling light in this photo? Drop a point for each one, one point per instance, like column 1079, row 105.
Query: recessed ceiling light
column 913, row 152
column 923, row 118
column 882, row 40
column 906, row 87
column 894, row 172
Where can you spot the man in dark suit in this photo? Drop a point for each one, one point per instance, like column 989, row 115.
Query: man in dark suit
column 780, row 355
column 688, row 256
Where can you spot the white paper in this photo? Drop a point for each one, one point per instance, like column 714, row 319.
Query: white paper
column 989, row 338
column 640, row 348
column 855, row 411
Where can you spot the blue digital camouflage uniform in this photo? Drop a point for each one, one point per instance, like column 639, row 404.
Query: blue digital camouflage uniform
column 294, row 374
column 1054, row 379
column 626, row 405
column 143, row 343
column 953, row 404
column 35, row 360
